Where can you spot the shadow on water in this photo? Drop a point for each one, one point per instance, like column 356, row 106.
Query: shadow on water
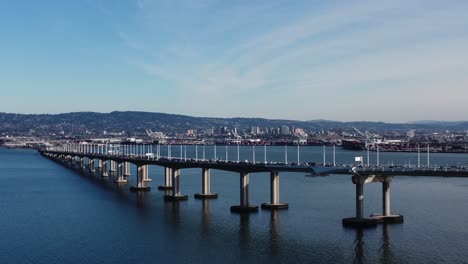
column 172, row 213
column 244, row 233
column 385, row 250
column 386, row 255
column 274, row 234
column 359, row 247
column 206, row 218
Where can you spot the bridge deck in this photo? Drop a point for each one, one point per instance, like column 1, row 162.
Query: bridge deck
column 250, row 167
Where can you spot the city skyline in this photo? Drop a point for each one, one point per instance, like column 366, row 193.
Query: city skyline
column 390, row 61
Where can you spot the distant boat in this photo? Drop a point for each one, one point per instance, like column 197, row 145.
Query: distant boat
column 353, row 144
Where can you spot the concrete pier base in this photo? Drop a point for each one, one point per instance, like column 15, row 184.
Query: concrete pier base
column 388, row 219
column 205, row 196
column 244, row 209
column 180, row 197
column 120, row 181
column 269, row 206
column 355, row 222
column 140, row 189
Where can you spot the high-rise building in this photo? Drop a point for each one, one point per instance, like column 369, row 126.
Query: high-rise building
column 284, row 130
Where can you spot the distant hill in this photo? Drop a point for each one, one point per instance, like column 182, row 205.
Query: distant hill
column 81, row 123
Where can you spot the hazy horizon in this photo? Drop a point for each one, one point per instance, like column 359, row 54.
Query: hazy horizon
column 250, row 117
column 389, row 61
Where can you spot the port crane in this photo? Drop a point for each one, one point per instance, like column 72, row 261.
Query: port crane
column 370, row 139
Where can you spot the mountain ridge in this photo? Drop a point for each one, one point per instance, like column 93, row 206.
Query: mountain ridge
column 138, row 121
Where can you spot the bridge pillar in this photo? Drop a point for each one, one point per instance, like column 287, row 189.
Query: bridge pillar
column 112, row 166
column 206, row 184
column 386, row 198
column 359, row 221
column 82, row 163
column 127, row 169
column 167, row 180
column 146, row 173
column 244, row 206
column 105, row 164
column 91, row 165
column 175, row 196
column 274, row 194
column 387, row 216
column 120, row 173
column 142, row 185
column 99, row 164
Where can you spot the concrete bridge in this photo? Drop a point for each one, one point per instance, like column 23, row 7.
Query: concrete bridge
column 119, row 164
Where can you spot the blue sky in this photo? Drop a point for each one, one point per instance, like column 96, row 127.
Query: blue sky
column 391, row 61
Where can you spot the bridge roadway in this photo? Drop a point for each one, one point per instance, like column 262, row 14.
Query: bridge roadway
column 360, row 175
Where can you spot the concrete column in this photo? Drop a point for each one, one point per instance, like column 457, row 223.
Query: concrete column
column 359, row 200
column 104, row 168
column 146, row 173
column 386, row 198
column 274, row 194
column 206, row 185
column 244, row 189
column 140, row 173
column 99, row 164
column 92, row 167
column 112, row 166
column 167, row 180
column 175, row 196
column 127, row 169
column 206, row 181
column 82, row 163
column 274, row 187
column 244, row 196
column 359, row 221
column 120, row 173
column 142, row 185
column 175, row 182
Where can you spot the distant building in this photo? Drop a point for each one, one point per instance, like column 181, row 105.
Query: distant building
column 284, row 130
column 191, row 132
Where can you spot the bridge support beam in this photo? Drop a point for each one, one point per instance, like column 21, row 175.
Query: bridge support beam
column 120, row 173
column 274, row 194
column 167, row 180
column 244, row 206
column 99, row 164
column 104, row 168
column 175, row 196
column 142, row 174
column 206, row 184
